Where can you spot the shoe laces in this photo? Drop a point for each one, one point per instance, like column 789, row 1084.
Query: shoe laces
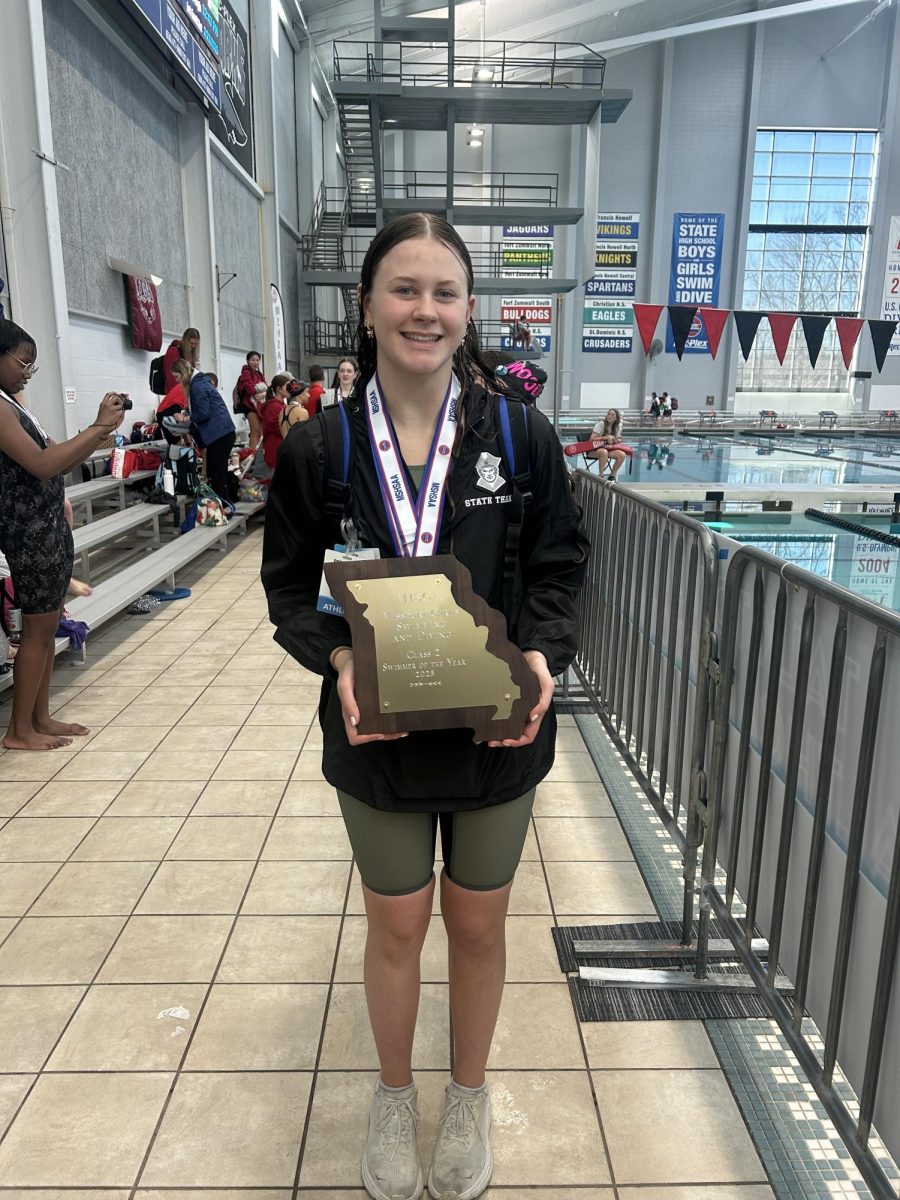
column 395, row 1124
column 459, row 1121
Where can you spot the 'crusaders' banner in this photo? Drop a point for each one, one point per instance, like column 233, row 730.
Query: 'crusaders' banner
column 144, row 316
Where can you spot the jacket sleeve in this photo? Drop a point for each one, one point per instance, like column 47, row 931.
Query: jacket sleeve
column 247, row 386
column 554, row 552
column 271, row 417
column 202, row 392
column 294, row 544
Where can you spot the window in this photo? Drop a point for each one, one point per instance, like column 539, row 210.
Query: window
column 810, row 209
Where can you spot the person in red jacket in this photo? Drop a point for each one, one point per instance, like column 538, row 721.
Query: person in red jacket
column 316, row 388
column 186, row 347
column 273, row 408
column 250, row 378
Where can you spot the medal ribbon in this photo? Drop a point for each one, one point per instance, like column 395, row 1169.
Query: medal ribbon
column 414, row 526
column 30, row 415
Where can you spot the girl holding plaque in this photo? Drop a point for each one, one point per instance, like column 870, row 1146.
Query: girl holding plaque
column 425, row 448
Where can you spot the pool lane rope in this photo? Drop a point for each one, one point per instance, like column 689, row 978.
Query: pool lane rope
column 875, row 535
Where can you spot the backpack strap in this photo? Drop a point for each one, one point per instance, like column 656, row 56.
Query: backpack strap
column 338, row 442
column 514, row 437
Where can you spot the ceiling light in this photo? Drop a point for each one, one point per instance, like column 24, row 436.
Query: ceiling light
column 390, row 120
column 476, row 131
column 474, row 142
column 484, row 72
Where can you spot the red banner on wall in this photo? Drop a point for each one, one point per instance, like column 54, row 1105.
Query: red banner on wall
column 144, row 316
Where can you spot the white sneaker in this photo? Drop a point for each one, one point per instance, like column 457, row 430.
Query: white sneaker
column 391, row 1169
column 462, row 1164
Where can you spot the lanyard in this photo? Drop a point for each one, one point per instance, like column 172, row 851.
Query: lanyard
column 414, row 526
column 30, row 415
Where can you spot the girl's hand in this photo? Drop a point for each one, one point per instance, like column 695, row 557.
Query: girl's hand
column 344, row 665
column 538, row 664
column 110, row 414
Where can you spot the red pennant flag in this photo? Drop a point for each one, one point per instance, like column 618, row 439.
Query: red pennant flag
column 782, row 326
column 714, row 319
column 848, row 334
column 647, row 316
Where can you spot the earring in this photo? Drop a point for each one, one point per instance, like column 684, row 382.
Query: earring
column 369, row 331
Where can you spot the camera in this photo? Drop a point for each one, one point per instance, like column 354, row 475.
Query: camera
column 126, row 401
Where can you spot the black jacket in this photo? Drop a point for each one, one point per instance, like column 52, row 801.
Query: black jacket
column 441, row 770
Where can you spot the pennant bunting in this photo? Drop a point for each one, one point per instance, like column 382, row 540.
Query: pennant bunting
column 848, row 334
column 882, row 332
column 681, row 317
column 782, row 326
column 814, row 332
column 647, row 316
column 714, row 319
column 747, row 323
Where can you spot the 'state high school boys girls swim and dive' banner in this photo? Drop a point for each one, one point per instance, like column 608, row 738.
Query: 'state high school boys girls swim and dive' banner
column 696, row 267
column 608, row 322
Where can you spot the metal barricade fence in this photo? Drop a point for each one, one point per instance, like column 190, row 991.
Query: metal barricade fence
column 647, row 611
column 793, row 739
column 803, row 803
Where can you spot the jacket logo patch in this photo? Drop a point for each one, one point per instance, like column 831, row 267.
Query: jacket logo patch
column 488, row 470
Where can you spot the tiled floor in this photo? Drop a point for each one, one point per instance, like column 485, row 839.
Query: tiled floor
column 181, row 946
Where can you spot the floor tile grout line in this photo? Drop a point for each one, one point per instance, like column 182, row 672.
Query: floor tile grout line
column 590, row 1081
column 307, row 1121
column 212, row 983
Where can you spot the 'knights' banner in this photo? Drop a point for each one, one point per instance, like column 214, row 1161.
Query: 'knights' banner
column 144, row 316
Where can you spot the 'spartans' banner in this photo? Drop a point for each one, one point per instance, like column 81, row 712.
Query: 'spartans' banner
column 608, row 319
column 697, row 240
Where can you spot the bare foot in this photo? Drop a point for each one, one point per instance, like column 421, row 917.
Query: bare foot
column 78, row 588
column 61, row 728
column 34, row 741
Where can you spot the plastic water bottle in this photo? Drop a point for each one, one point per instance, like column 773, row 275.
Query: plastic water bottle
column 168, row 482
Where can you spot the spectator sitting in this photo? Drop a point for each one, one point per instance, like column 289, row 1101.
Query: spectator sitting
column 315, row 389
column 607, row 432
column 249, row 381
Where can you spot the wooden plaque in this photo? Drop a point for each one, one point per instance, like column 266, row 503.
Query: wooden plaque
column 428, row 653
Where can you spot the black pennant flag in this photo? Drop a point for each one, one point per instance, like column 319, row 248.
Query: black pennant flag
column 747, row 323
column 882, row 332
column 682, row 318
column 814, row 332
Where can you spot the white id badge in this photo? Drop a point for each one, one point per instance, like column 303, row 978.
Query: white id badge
column 326, row 602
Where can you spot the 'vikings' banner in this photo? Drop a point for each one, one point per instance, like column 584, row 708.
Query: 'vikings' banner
column 696, row 266
column 608, row 320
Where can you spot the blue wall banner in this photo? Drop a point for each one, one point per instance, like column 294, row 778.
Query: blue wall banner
column 608, row 320
column 173, row 29
column 697, row 240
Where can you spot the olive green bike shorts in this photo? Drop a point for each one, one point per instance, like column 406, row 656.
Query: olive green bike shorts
column 395, row 851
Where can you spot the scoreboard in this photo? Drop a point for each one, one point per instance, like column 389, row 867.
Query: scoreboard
column 189, row 29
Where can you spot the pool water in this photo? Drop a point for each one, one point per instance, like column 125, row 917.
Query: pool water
column 867, row 567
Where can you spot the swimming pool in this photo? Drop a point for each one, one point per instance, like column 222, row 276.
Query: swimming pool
column 867, row 567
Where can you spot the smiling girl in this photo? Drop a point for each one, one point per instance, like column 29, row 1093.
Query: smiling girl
column 421, row 384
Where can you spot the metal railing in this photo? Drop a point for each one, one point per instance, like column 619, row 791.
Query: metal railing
column 647, row 613
column 347, row 253
column 327, row 337
column 331, row 202
column 784, row 755
column 494, row 188
column 803, row 799
column 475, row 64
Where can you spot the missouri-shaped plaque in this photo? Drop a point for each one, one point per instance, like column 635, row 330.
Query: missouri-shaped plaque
column 428, row 652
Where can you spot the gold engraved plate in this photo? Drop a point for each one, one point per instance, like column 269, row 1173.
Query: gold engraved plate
column 428, row 652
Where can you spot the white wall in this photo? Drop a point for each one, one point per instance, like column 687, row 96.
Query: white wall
column 103, row 360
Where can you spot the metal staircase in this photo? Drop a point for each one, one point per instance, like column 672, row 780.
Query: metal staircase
column 322, row 249
column 355, row 118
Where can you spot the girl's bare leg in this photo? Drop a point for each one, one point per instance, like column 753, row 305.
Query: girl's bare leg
column 31, row 680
